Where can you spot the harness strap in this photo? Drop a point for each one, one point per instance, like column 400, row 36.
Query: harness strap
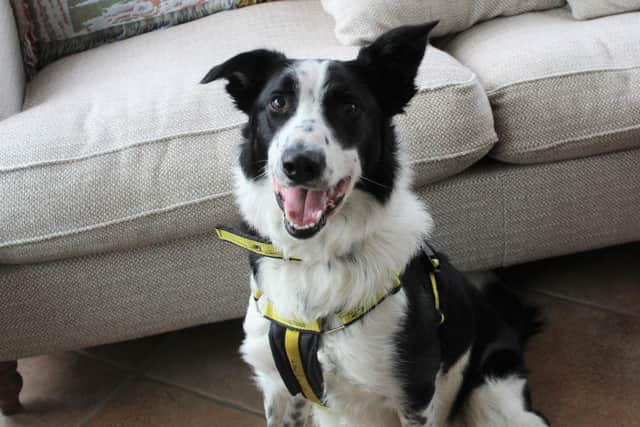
column 351, row 316
column 250, row 243
column 342, row 318
column 292, row 346
column 434, row 287
column 294, row 343
column 268, row 310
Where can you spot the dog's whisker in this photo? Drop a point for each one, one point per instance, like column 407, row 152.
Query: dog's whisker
column 375, row 182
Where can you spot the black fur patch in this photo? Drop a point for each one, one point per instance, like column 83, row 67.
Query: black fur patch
column 493, row 324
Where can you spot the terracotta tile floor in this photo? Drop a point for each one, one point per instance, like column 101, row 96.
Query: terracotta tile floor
column 586, row 364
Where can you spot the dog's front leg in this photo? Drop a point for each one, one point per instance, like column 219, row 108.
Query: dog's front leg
column 296, row 413
column 275, row 408
column 281, row 409
column 428, row 419
column 414, row 420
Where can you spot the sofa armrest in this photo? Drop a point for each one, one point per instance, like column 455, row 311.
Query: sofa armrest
column 12, row 76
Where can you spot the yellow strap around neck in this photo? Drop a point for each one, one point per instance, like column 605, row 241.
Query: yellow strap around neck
column 255, row 246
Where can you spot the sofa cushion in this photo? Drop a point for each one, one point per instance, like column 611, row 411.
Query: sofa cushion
column 361, row 21
column 488, row 217
column 119, row 146
column 559, row 88
column 588, row 9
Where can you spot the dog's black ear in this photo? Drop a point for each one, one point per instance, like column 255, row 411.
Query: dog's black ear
column 391, row 63
column 247, row 74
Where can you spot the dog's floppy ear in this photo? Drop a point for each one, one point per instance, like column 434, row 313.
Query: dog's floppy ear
column 391, row 63
column 247, row 74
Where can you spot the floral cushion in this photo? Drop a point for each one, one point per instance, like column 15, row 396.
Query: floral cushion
column 51, row 29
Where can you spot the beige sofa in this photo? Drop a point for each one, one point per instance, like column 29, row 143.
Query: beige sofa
column 115, row 164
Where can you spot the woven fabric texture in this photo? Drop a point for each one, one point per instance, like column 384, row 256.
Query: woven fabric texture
column 489, row 216
column 12, row 78
column 360, row 21
column 52, row 29
column 573, row 91
column 588, row 9
column 120, row 147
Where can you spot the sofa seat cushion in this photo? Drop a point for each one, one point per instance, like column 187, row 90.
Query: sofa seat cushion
column 559, row 88
column 120, row 147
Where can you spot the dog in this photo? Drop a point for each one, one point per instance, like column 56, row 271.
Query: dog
column 354, row 320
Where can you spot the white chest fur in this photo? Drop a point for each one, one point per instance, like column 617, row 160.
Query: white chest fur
column 349, row 263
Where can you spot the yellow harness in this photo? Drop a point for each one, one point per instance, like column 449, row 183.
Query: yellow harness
column 294, row 343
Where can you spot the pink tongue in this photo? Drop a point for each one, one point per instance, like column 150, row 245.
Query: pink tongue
column 302, row 206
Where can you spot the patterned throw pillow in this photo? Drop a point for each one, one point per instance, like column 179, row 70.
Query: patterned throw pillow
column 51, row 29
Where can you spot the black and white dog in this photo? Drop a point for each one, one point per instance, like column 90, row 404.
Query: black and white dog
column 322, row 177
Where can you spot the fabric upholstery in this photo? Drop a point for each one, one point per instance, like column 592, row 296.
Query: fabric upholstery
column 11, row 70
column 491, row 215
column 361, row 21
column 68, row 26
column 559, row 88
column 588, row 9
column 120, row 147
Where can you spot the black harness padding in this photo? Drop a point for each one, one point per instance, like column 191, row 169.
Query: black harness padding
column 307, row 345
column 276, row 342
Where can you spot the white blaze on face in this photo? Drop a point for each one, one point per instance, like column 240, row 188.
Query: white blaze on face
column 308, row 128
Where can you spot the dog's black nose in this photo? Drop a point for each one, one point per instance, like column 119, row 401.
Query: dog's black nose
column 303, row 166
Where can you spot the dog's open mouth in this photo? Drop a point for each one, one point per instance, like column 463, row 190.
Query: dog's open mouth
column 306, row 209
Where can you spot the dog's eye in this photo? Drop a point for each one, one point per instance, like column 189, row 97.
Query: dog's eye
column 279, row 104
column 351, row 109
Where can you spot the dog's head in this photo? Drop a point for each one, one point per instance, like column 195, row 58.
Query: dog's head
column 319, row 130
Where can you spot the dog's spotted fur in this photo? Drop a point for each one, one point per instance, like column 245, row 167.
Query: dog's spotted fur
column 397, row 366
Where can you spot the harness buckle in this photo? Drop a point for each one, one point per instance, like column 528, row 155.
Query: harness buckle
column 431, row 256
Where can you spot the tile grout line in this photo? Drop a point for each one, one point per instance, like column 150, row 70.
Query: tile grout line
column 206, row 396
column 137, row 369
column 142, row 373
column 117, row 391
column 120, row 366
column 584, row 303
column 132, row 373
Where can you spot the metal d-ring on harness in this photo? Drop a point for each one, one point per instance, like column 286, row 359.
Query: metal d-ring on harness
column 295, row 343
